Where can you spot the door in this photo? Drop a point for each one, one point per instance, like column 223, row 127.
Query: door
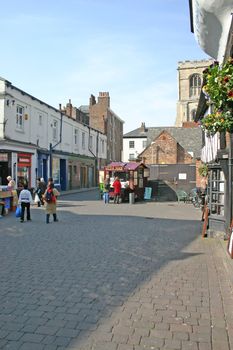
column 63, row 174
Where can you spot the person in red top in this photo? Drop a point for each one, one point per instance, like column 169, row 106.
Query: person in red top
column 117, row 190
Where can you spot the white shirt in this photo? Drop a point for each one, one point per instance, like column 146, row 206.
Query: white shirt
column 25, row 197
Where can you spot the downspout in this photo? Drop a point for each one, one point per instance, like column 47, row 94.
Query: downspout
column 51, row 148
column 230, row 178
column 95, row 156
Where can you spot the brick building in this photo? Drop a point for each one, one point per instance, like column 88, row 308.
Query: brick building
column 99, row 116
column 166, row 150
column 104, row 119
column 171, row 153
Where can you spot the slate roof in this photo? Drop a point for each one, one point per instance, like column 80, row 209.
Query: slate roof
column 136, row 133
column 189, row 138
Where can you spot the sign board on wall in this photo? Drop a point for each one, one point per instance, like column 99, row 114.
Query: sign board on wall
column 182, row 176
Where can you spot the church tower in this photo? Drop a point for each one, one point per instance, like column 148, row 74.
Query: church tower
column 189, row 88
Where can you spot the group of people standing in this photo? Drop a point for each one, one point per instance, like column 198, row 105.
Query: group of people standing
column 44, row 195
column 117, row 190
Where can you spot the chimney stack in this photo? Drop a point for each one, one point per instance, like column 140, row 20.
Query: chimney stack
column 143, row 127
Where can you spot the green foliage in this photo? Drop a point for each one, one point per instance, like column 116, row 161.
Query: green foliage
column 218, row 121
column 219, row 89
column 203, row 170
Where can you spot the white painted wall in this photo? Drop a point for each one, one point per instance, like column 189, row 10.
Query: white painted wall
column 37, row 129
column 38, row 125
column 138, row 147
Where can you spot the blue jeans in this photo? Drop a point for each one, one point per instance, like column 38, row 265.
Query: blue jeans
column 106, row 197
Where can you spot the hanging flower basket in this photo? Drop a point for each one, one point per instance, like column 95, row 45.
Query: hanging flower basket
column 219, row 89
column 217, row 122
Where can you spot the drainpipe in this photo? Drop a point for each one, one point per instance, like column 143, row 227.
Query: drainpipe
column 230, row 177
column 94, row 155
column 51, row 148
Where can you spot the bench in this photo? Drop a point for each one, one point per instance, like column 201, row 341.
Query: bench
column 182, row 196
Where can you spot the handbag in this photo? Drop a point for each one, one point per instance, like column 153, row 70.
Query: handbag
column 18, row 212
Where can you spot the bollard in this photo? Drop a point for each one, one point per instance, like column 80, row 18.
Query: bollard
column 131, row 198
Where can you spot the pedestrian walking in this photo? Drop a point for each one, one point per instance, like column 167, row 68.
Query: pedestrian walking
column 117, row 190
column 106, row 190
column 25, row 199
column 40, row 190
column 50, row 198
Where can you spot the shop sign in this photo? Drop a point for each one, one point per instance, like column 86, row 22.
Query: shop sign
column 116, row 168
column 24, row 160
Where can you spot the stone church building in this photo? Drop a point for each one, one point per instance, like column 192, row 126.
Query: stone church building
column 189, row 89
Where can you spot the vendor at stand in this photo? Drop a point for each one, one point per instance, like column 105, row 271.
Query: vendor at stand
column 11, row 183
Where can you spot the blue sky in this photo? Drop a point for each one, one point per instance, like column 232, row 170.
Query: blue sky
column 58, row 50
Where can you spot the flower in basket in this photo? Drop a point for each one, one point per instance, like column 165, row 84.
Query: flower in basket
column 219, row 90
column 217, row 122
column 219, row 84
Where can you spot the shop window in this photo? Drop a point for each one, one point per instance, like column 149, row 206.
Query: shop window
column 194, row 85
column 216, row 192
column 19, row 117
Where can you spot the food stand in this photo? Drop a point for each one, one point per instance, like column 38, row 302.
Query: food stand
column 133, row 177
column 8, row 198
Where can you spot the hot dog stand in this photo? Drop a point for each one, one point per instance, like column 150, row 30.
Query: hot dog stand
column 133, row 177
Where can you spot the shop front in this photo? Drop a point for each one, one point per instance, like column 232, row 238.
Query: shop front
column 4, row 167
column 24, row 171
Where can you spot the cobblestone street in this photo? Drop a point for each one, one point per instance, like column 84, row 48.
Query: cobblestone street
column 114, row 277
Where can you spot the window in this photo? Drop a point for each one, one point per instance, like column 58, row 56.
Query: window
column 131, row 156
column 40, row 120
column 192, row 114
column 54, row 126
column 131, row 144
column 83, row 140
column 91, row 142
column 194, row 85
column 102, row 146
column 75, row 170
column 19, row 117
column 76, row 136
column 216, row 192
column 144, row 143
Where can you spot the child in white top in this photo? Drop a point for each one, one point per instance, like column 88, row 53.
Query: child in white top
column 25, row 198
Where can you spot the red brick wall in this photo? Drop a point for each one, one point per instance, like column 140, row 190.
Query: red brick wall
column 166, row 150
